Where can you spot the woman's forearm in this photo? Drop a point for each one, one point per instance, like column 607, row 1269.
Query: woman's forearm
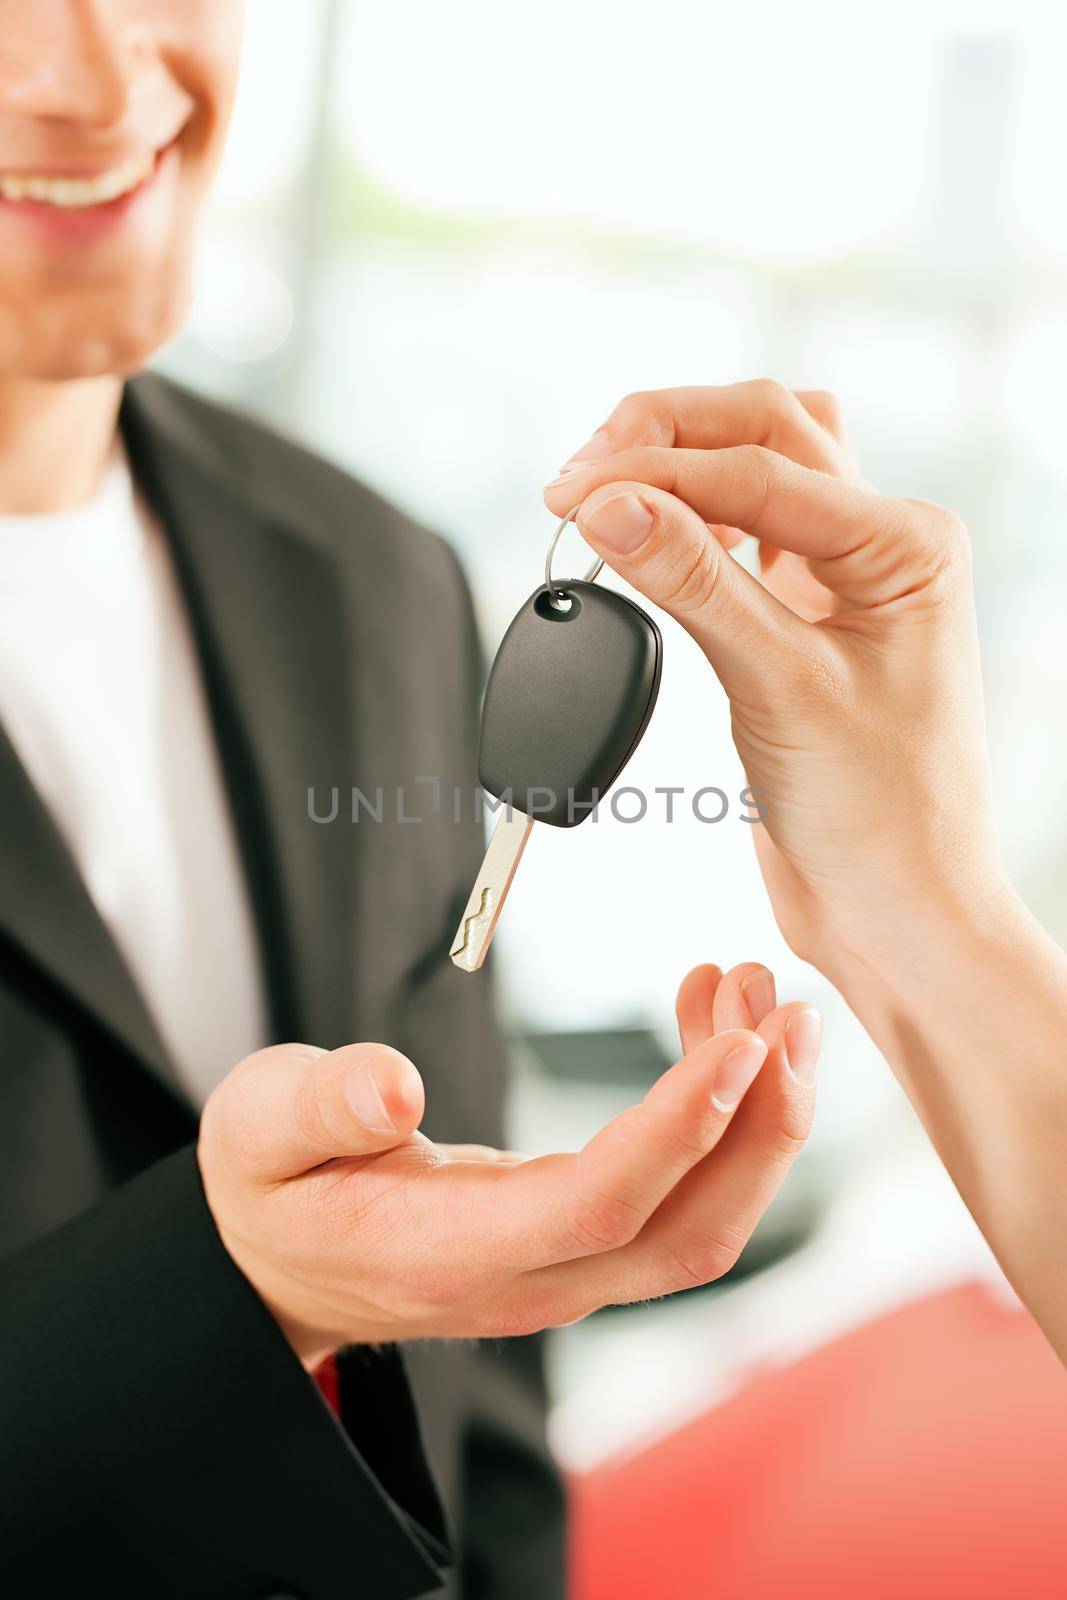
column 971, row 1012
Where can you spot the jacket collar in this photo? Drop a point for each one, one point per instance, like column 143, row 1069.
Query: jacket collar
column 266, row 611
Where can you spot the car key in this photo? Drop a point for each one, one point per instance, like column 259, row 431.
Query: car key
column 569, row 696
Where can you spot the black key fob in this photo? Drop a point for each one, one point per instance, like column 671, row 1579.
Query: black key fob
column 570, row 693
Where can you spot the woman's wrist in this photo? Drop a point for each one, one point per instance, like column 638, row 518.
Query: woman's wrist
column 930, row 944
column 949, row 1002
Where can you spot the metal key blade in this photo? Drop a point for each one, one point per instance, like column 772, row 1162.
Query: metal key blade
column 479, row 919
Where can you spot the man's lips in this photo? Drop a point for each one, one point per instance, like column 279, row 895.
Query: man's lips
column 79, row 191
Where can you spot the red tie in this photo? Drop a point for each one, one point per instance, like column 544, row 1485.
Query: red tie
column 327, row 1380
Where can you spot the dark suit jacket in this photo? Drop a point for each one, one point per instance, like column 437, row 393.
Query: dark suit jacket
column 157, row 1437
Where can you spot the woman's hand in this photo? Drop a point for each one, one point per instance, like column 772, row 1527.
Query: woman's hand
column 353, row 1227
column 853, row 677
column 851, row 665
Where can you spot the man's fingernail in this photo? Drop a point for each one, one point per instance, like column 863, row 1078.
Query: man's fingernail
column 594, row 449
column 622, row 523
column 758, row 991
column 803, row 1036
column 366, row 1101
column 736, row 1072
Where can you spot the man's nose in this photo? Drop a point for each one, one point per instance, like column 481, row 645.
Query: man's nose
column 75, row 61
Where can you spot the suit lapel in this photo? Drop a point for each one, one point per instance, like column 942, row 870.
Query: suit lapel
column 46, row 909
column 269, row 622
column 268, row 615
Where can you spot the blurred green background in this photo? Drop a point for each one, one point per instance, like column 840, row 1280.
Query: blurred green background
column 445, row 241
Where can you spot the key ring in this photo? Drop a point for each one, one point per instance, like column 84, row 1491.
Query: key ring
column 594, row 571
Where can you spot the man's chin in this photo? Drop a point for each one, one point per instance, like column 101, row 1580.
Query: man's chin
column 65, row 343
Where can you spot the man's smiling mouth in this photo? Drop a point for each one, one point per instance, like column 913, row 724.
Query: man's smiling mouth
column 78, row 193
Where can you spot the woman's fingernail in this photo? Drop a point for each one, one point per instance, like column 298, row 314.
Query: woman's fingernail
column 365, row 1098
column 594, row 449
column 622, row 523
column 736, row 1072
column 564, row 477
column 758, row 991
column 803, row 1036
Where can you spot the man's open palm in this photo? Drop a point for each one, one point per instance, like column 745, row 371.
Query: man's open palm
column 356, row 1228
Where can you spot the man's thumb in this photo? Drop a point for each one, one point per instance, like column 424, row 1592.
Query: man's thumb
column 292, row 1107
column 661, row 546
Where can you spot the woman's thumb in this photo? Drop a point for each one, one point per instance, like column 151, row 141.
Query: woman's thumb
column 661, row 546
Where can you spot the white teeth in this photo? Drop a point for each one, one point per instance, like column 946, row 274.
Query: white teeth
column 76, row 193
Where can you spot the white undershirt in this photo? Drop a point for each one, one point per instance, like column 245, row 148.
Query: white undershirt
column 100, row 694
